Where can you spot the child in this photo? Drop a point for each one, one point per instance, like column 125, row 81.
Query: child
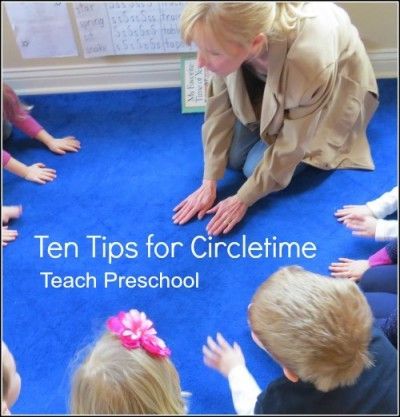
column 378, row 280
column 354, row 269
column 11, row 380
column 7, row 213
column 277, row 100
column 35, row 173
column 17, row 114
column 367, row 220
column 320, row 332
column 127, row 372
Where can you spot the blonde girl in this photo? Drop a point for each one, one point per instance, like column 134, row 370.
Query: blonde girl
column 292, row 85
column 127, row 371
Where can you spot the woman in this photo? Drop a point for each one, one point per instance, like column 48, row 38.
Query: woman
column 293, row 84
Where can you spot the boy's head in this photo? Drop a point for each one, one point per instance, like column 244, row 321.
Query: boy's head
column 318, row 328
column 11, row 381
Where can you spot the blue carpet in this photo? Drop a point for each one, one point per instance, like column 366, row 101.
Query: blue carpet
column 140, row 156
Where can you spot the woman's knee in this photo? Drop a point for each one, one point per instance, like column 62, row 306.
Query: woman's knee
column 242, row 142
column 236, row 160
column 254, row 157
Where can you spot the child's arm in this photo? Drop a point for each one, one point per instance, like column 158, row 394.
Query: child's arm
column 385, row 256
column 384, row 205
column 60, row 146
column 229, row 361
column 244, row 389
column 379, row 208
column 347, row 211
column 362, row 225
column 27, row 124
column 35, row 173
column 354, row 269
column 369, row 226
column 386, row 230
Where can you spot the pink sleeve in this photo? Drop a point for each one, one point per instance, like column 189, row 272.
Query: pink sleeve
column 380, row 258
column 6, row 157
column 26, row 124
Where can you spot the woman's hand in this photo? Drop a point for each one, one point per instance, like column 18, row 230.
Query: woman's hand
column 197, row 203
column 228, row 213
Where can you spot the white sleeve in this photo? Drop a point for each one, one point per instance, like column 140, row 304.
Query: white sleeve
column 244, row 390
column 384, row 205
column 386, row 230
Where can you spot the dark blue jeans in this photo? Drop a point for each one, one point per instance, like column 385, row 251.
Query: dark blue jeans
column 379, row 285
column 248, row 149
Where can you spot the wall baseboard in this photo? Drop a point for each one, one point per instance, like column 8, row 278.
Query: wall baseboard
column 97, row 77
column 385, row 63
column 161, row 73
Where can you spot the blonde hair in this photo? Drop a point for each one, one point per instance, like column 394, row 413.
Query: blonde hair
column 240, row 22
column 5, row 365
column 317, row 327
column 117, row 380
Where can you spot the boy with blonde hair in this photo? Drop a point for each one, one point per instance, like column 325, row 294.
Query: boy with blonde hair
column 320, row 332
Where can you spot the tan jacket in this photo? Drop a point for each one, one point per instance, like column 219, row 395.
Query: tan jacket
column 315, row 107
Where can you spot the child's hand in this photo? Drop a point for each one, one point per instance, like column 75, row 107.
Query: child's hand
column 40, row 174
column 362, row 225
column 222, row 356
column 347, row 211
column 10, row 212
column 7, row 235
column 349, row 268
column 64, row 145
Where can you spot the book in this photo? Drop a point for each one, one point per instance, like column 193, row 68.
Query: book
column 194, row 82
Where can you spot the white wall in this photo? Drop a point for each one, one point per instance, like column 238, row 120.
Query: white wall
column 377, row 23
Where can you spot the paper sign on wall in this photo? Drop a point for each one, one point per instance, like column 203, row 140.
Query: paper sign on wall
column 126, row 28
column 42, row 30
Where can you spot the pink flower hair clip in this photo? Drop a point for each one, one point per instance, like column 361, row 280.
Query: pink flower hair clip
column 135, row 331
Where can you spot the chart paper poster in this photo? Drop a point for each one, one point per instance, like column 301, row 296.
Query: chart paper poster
column 42, row 29
column 128, row 28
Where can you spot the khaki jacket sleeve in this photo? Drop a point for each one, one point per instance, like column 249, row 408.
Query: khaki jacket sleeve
column 276, row 169
column 217, row 130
